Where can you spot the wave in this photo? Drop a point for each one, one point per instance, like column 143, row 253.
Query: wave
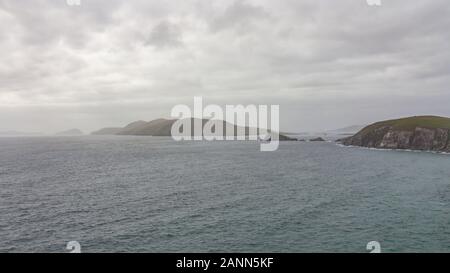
column 393, row 150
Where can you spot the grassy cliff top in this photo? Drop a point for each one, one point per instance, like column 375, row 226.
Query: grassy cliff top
column 409, row 124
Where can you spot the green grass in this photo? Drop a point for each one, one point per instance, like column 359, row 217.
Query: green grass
column 409, row 124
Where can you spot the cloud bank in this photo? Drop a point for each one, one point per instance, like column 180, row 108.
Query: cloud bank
column 327, row 63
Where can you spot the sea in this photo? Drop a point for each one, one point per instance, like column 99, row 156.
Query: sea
column 153, row 194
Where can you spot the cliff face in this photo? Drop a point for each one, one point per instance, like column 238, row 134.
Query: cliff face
column 391, row 135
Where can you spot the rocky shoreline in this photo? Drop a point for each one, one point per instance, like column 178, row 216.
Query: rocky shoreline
column 404, row 134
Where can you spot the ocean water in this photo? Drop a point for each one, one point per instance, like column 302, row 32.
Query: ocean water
column 145, row 194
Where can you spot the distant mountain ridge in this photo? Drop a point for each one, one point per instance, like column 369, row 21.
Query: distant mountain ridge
column 348, row 130
column 108, row 131
column 71, row 132
column 163, row 127
column 426, row 133
column 158, row 127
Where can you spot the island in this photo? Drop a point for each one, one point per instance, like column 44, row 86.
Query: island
column 163, row 127
column 424, row 133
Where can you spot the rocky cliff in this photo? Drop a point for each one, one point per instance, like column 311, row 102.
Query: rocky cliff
column 426, row 133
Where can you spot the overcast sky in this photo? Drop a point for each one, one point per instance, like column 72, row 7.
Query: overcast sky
column 328, row 64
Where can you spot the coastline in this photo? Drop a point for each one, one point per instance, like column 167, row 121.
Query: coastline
column 393, row 150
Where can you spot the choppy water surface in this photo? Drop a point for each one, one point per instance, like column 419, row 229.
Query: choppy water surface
column 115, row 194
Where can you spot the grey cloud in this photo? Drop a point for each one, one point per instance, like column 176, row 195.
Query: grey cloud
column 316, row 58
column 165, row 34
column 240, row 14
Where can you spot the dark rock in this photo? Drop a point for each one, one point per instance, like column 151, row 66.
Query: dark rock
column 396, row 140
column 440, row 141
column 423, row 139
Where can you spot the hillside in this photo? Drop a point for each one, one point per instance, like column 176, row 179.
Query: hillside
column 157, row 127
column 163, row 127
column 107, row 131
column 416, row 133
